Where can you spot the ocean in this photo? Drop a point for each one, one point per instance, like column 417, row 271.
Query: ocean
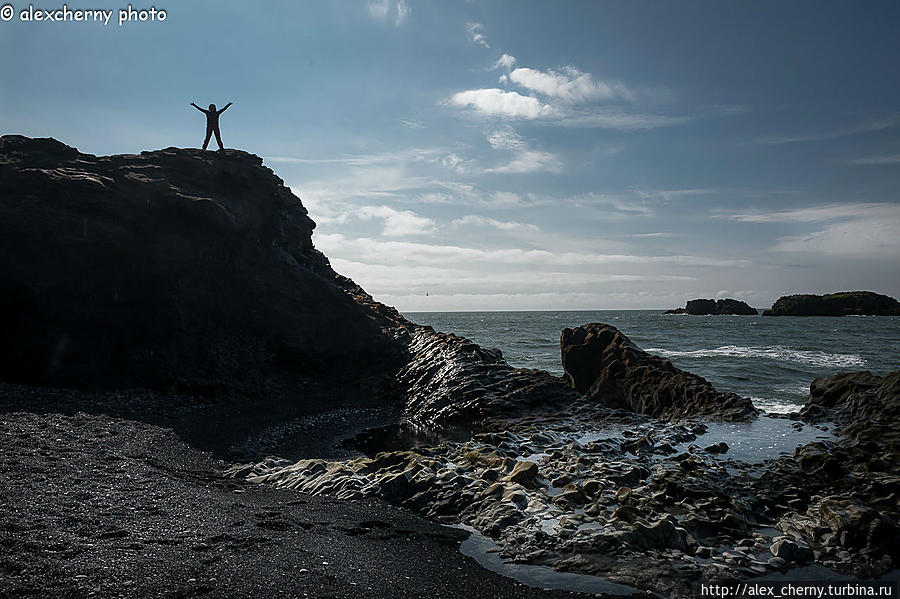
column 769, row 359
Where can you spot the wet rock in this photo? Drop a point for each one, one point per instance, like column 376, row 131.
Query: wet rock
column 524, row 473
column 603, row 364
column 592, row 487
column 721, row 447
column 623, row 495
column 791, row 551
column 659, row 535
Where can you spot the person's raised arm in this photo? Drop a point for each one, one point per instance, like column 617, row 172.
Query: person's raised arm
column 226, row 107
column 197, row 107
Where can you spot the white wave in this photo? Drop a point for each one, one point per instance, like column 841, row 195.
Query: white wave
column 799, row 390
column 777, row 352
column 774, row 406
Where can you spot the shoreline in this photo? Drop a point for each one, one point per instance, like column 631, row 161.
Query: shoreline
column 100, row 506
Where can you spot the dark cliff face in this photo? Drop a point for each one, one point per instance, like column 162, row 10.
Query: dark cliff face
column 171, row 269
column 709, row 307
column 847, row 303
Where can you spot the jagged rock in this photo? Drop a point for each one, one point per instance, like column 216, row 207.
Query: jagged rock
column 866, row 410
column 450, row 378
column 707, row 307
column 602, row 363
column 835, row 304
column 174, row 268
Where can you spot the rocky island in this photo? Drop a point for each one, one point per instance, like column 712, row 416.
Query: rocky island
column 188, row 385
column 845, row 303
column 706, row 307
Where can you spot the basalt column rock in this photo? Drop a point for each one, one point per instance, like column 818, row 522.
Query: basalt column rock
column 603, row 364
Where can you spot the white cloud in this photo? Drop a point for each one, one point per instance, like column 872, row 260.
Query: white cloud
column 384, row 252
column 884, row 159
column 505, row 199
column 525, row 160
column 504, row 62
column 659, row 234
column 382, row 10
column 505, row 137
column 475, row 32
column 570, row 84
column 862, row 232
column 879, row 123
column 529, row 161
column 511, row 104
column 398, row 223
column 497, row 102
column 619, row 120
column 862, row 229
column 483, row 221
column 403, row 11
column 377, row 158
column 378, row 9
column 455, row 162
column 812, row 214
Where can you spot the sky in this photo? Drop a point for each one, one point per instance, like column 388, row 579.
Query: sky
column 519, row 155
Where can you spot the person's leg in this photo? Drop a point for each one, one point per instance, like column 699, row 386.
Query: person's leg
column 218, row 138
column 206, row 141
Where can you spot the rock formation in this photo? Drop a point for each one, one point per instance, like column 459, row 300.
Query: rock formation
column 176, row 268
column 706, row 307
column 450, row 378
column 846, row 303
column 603, row 364
column 866, row 409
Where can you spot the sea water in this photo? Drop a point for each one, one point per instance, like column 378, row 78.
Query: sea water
column 769, row 359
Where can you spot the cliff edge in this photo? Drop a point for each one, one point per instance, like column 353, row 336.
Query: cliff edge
column 174, row 269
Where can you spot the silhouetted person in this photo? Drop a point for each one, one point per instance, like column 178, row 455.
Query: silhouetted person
column 212, row 123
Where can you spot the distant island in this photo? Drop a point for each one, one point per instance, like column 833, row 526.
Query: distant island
column 844, row 303
column 704, row 307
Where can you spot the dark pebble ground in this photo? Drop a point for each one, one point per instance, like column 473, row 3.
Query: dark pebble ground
column 93, row 505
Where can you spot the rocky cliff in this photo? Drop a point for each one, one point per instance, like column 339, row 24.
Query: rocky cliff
column 193, row 270
column 176, row 268
column 845, row 303
column 709, row 307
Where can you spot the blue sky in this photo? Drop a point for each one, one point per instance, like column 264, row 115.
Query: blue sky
column 520, row 155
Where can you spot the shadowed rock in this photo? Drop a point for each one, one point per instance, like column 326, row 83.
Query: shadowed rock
column 866, row 409
column 603, row 364
column 176, row 268
column 846, row 303
column 707, row 307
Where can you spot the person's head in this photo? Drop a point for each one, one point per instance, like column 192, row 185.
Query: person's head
column 212, row 106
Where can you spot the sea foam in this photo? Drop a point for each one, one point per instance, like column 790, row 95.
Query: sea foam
column 784, row 354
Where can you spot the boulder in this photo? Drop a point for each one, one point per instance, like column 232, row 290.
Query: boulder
column 707, row 307
column 524, row 473
column 844, row 303
column 604, row 365
column 791, row 551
